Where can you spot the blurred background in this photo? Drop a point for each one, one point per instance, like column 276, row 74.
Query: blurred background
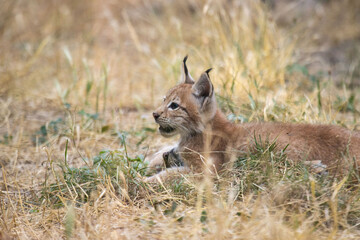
column 140, row 44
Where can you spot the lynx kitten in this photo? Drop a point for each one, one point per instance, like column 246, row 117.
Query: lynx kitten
column 208, row 139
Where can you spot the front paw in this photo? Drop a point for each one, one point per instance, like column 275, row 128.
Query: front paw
column 157, row 178
column 172, row 159
column 156, row 162
column 151, row 179
column 168, row 175
column 155, row 165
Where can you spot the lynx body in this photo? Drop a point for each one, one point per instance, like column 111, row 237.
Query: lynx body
column 207, row 138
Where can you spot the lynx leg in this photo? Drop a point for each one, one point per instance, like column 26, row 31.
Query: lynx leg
column 156, row 162
column 172, row 158
column 317, row 167
column 168, row 174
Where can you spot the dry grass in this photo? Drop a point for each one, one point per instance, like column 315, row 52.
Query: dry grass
column 78, row 77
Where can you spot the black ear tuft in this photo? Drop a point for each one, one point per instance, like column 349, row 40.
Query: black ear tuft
column 186, row 75
column 207, row 71
column 185, row 67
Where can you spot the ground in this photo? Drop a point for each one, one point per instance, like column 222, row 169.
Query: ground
column 79, row 81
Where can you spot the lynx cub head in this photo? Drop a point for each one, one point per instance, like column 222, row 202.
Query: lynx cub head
column 187, row 107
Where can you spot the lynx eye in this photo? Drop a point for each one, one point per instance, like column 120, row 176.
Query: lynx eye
column 173, row 105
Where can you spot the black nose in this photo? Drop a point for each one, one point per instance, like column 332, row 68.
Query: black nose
column 156, row 115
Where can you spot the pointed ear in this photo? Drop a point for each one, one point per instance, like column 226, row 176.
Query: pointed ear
column 186, row 77
column 203, row 89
